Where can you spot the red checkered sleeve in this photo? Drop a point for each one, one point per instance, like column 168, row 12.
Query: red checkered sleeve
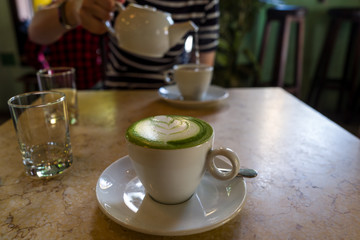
column 77, row 48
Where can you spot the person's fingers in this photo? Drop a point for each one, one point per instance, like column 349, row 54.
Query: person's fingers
column 93, row 14
column 97, row 9
column 107, row 5
column 92, row 24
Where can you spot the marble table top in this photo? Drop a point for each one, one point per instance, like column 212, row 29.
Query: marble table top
column 308, row 185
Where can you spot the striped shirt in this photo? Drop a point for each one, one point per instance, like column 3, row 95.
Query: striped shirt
column 128, row 71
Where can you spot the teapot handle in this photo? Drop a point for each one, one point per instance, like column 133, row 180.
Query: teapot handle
column 120, row 7
column 169, row 76
column 110, row 29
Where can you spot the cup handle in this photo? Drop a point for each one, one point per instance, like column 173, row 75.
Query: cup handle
column 230, row 155
column 169, row 76
column 120, row 7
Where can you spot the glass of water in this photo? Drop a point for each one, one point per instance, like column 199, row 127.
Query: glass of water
column 42, row 127
column 61, row 79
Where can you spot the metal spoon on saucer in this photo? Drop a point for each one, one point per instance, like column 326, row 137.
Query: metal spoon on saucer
column 243, row 172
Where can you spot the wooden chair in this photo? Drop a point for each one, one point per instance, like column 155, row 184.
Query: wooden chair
column 285, row 15
column 345, row 85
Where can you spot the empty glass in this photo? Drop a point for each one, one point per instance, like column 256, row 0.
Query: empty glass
column 61, row 79
column 42, row 127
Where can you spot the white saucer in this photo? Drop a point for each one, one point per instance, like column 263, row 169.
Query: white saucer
column 122, row 198
column 172, row 95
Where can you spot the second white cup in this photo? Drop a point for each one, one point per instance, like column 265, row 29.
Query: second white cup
column 193, row 80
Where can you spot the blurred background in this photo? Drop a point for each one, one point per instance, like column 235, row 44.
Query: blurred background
column 237, row 65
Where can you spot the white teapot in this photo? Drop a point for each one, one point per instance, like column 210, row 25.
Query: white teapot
column 145, row 31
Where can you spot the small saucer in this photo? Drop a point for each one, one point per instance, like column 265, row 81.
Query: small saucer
column 122, row 198
column 214, row 95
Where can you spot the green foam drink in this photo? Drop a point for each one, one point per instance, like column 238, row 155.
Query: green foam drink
column 169, row 132
column 171, row 153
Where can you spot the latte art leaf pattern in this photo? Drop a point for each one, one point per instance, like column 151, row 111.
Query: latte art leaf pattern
column 169, row 125
column 169, row 131
column 167, row 128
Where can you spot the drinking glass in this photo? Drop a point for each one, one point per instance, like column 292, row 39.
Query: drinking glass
column 61, row 79
column 42, row 127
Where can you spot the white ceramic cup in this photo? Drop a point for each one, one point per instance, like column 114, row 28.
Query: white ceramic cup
column 171, row 174
column 193, row 80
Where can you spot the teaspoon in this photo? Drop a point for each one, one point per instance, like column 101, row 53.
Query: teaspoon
column 243, row 172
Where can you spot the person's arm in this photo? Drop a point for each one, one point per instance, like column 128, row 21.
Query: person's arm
column 45, row 27
column 204, row 57
column 208, row 33
column 208, row 58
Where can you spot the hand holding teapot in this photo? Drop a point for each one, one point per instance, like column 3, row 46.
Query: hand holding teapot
column 93, row 14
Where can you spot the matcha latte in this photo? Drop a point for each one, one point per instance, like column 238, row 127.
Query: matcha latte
column 169, row 132
column 171, row 153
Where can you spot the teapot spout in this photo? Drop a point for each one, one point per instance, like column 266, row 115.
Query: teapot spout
column 178, row 30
